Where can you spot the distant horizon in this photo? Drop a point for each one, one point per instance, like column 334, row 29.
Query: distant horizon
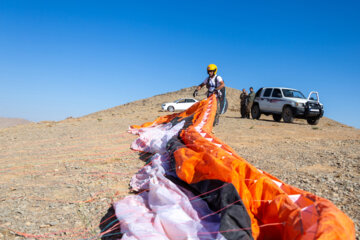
column 72, row 58
column 38, row 121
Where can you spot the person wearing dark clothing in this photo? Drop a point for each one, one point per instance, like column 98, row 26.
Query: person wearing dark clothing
column 251, row 99
column 243, row 103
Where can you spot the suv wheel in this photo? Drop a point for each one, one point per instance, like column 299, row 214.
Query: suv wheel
column 255, row 112
column 313, row 121
column 171, row 108
column 277, row 117
column 287, row 115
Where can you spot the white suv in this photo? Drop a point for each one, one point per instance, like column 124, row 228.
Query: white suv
column 287, row 103
column 181, row 104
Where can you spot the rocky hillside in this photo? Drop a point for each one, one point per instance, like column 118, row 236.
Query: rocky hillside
column 58, row 179
column 9, row 122
column 153, row 104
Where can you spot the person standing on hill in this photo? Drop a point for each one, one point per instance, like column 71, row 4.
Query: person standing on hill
column 251, row 99
column 215, row 85
column 243, row 103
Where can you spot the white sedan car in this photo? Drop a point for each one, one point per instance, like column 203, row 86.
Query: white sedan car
column 181, row 104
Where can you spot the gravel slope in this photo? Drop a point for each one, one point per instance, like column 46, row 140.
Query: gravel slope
column 58, row 179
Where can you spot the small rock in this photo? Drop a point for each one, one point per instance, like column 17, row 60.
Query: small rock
column 52, row 223
column 78, row 223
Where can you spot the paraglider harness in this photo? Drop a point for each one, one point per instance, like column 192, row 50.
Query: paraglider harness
column 208, row 85
column 220, row 94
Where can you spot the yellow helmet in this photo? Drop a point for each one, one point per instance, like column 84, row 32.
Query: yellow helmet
column 212, row 67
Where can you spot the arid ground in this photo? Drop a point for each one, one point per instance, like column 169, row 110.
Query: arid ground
column 58, row 179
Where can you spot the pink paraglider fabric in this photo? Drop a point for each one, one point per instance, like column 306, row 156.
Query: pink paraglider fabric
column 164, row 211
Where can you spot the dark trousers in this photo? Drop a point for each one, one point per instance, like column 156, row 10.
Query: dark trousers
column 217, row 116
column 243, row 110
column 248, row 109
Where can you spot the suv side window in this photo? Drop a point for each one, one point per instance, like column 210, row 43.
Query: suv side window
column 258, row 93
column 276, row 93
column 267, row 92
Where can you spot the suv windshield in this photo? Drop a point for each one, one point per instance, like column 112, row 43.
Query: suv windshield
column 292, row 93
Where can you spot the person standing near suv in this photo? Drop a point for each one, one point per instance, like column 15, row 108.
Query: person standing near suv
column 251, row 99
column 215, row 85
column 243, row 103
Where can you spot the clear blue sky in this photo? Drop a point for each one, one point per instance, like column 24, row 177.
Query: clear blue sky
column 72, row 58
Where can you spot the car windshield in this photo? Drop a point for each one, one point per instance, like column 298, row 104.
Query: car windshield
column 293, row 93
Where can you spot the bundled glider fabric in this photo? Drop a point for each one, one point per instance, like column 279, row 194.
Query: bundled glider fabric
column 165, row 211
column 197, row 187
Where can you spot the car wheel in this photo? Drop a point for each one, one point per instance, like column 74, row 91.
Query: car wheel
column 287, row 115
column 277, row 117
column 255, row 112
column 313, row 121
column 171, row 108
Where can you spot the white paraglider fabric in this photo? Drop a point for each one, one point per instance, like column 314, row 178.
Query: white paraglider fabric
column 154, row 139
column 164, row 211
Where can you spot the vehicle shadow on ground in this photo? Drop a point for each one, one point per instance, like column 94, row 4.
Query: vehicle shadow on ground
column 233, row 117
column 269, row 120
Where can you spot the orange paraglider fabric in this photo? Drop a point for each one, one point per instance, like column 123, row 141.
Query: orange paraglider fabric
column 277, row 210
